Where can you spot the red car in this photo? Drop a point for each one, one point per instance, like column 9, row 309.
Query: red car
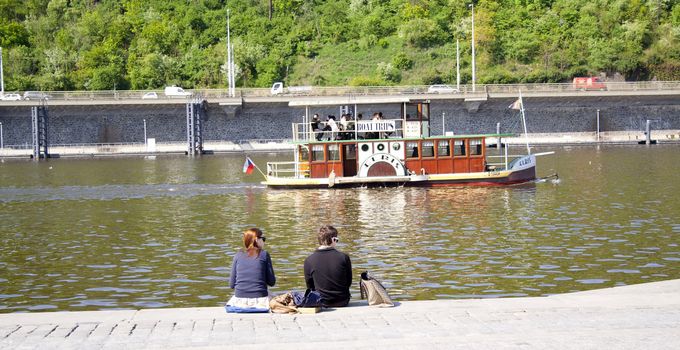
column 589, row 83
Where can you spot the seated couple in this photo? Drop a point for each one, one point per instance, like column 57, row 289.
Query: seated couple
column 327, row 271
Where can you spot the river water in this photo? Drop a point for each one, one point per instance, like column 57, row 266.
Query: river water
column 124, row 233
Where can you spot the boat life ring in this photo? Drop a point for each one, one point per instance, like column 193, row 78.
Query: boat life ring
column 382, row 164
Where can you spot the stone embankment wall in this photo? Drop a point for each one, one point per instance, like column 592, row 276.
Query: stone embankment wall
column 166, row 123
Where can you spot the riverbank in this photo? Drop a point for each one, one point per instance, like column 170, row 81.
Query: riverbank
column 561, row 114
column 631, row 317
column 254, row 146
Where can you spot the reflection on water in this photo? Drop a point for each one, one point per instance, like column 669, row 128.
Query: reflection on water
column 135, row 233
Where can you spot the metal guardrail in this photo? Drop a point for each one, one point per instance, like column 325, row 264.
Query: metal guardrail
column 465, row 90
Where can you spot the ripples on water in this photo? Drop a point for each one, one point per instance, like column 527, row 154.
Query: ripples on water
column 111, row 192
column 133, row 233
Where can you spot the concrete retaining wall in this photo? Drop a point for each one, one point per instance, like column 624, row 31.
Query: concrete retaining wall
column 167, row 123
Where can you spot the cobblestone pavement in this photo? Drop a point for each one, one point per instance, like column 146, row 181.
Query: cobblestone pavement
column 645, row 316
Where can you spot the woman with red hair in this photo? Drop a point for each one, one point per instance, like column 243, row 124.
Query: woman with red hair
column 251, row 273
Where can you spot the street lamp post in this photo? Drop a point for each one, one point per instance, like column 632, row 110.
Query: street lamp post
column 2, row 76
column 457, row 65
column 2, row 142
column 144, row 131
column 231, row 71
column 228, row 57
column 472, row 7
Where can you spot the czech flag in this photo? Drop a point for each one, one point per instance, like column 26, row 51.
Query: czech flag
column 248, row 166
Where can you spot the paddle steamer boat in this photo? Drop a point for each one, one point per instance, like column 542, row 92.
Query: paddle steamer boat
column 394, row 152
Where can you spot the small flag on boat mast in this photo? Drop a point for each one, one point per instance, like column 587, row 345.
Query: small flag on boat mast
column 248, row 166
column 516, row 105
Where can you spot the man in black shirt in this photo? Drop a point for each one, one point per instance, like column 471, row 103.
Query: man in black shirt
column 316, row 123
column 328, row 270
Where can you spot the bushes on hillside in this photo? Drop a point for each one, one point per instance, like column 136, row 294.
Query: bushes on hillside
column 365, row 81
column 147, row 44
column 421, row 33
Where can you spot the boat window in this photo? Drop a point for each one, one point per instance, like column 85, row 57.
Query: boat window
column 412, row 149
column 459, row 148
column 428, row 148
column 334, row 152
column 475, row 147
column 411, row 112
column 351, row 151
column 304, row 154
column 317, row 153
column 443, row 148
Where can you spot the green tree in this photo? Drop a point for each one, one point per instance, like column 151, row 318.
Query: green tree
column 102, row 68
column 248, row 57
column 147, row 72
column 13, row 34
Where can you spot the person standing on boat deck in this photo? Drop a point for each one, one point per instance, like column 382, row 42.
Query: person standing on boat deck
column 326, row 128
column 374, row 120
column 343, row 127
column 360, row 135
column 252, row 272
column 382, row 135
column 328, row 270
column 332, row 127
column 316, row 128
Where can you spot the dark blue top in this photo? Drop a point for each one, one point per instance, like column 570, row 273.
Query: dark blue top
column 251, row 275
column 329, row 272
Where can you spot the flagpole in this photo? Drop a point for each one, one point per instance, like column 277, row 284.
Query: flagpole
column 524, row 121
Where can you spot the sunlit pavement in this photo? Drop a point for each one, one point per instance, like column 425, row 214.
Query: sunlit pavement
column 644, row 316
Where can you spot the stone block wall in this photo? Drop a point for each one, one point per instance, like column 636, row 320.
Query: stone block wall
column 124, row 123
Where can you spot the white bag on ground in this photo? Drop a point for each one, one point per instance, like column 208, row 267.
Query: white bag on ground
column 374, row 291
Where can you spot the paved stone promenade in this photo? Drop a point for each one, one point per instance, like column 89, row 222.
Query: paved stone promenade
column 645, row 316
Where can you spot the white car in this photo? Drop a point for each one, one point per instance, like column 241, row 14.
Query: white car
column 176, row 91
column 10, row 97
column 36, row 95
column 150, row 96
column 441, row 89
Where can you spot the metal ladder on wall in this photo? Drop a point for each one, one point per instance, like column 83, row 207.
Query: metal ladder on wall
column 39, row 118
column 195, row 111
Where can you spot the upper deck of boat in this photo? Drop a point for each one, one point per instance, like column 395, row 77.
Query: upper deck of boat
column 412, row 123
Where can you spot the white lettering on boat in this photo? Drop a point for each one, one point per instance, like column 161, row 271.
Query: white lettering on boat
column 385, row 158
column 525, row 161
column 376, row 126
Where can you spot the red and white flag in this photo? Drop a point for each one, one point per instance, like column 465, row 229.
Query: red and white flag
column 248, row 166
column 516, row 105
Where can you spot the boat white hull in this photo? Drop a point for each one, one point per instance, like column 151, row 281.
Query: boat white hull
column 523, row 170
